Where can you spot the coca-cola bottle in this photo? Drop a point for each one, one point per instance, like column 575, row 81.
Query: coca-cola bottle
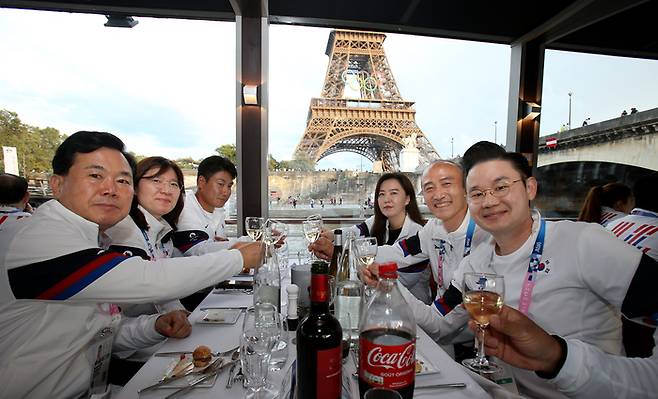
column 319, row 361
column 387, row 340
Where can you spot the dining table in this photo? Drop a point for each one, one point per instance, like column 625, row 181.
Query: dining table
column 223, row 337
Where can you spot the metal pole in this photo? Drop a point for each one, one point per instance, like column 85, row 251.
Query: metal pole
column 452, row 147
column 495, row 132
column 570, row 93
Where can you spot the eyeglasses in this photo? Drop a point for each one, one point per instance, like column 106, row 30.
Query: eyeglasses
column 172, row 185
column 501, row 190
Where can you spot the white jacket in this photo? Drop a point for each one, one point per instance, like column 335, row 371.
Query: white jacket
column 425, row 245
column 588, row 372
column 414, row 276
column 582, row 281
column 197, row 229
column 127, row 238
column 639, row 229
column 10, row 215
column 55, row 282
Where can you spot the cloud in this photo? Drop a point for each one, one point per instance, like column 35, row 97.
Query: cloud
column 167, row 86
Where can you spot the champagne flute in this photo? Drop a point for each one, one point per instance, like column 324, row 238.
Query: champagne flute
column 311, row 229
column 254, row 227
column 483, row 296
column 366, row 251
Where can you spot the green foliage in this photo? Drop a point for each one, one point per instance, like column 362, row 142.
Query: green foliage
column 35, row 146
column 187, row 163
column 228, row 151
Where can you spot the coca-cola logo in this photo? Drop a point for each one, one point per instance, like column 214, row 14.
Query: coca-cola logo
column 394, row 360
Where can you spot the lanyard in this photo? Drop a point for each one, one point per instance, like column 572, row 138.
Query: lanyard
column 468, row 241
column 643, row 213
column 150, row 247
column 469, row 237
column 531, row 274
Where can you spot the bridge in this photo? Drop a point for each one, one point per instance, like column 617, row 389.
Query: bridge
column 628, row 140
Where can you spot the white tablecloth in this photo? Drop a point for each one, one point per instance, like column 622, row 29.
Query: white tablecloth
column 224, row 337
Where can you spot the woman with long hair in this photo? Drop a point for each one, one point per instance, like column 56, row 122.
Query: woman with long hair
column 397, row 217
column 604, row 204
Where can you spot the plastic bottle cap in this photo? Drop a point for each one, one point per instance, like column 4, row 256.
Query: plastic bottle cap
column 388, row 270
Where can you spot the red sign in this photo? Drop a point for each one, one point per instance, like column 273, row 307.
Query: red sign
column 551, row 142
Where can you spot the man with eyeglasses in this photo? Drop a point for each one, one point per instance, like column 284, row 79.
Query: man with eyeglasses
column 572, row 279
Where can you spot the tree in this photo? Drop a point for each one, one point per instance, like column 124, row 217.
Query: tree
column 272, row 164
column 35, row 146
column 228, row 151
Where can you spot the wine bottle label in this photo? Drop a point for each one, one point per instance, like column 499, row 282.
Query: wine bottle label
column 329, row 373
column 389, row 366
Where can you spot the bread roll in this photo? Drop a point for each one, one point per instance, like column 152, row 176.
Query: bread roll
column 201, row 356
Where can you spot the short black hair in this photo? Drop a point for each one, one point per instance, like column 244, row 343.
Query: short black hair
column 480, row 150
column 484, row 151
column 85, row 142
column 12, row 188
column 645, row 191
column 214, row 164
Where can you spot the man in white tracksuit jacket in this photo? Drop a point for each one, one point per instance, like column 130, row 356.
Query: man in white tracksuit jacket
column 59, row 289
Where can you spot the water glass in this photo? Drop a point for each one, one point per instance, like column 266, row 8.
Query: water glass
column 255, row 352
column 264, row 316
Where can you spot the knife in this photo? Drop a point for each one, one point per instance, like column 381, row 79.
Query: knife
column 178, row 377
column 453, row 385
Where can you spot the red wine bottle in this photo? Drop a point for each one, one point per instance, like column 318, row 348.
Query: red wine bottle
column 319, row 360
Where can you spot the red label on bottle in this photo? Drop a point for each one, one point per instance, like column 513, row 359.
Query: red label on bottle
column 329, row 373
column 319, row 288
column 389, row 366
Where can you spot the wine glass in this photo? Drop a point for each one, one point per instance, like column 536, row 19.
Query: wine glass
column 366, row 251
column 254, row 227
column 483, row 296
column 312, row 230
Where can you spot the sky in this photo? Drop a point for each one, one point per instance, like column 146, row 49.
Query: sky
column 167, row 87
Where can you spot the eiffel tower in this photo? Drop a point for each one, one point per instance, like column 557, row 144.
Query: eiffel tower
column 360, row 109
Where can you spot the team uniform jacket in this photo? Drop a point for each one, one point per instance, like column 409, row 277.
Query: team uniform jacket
column 55, row 283
column 639, row 229
column 426, row 245
column 197, row 229
column 582, row 280
column 127, row 238
column 413, row 276
column 10, row 215
column 588, row 372
column 609, row 215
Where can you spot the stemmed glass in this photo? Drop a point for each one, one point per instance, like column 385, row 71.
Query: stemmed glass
column 484, row 295
column 254, row 227
column 312, row 230
column 366, row 251
column 274, row 233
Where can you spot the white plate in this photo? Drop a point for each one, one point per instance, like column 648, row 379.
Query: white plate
column 426, row 366
column 183, row 382
column 220, row 316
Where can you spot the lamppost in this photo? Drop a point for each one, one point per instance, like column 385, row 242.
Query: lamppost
column 452, row 147
column 570, row 93
column 495, row 132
